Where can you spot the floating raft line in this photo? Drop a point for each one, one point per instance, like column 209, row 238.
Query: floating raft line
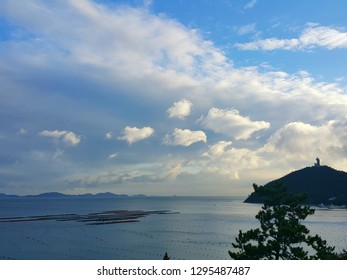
column 96, row 218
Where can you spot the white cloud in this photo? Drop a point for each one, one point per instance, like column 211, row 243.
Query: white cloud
column 78, row 31
column 134, row 134
column 298, row 139
column 108, row 135
column 313, row 36
column 22, row 132
column 135, row 174
column 231, row 123
column 271, row 44
column 185, row 137
column 217, row 149
column 112, row 156
column 230, row 162
column 293, row 146
column 322, row 36
column 250, row 4
column 180, row 109
column 246, row 29
column 57, row 154
column 68, row 137
column 147, row 3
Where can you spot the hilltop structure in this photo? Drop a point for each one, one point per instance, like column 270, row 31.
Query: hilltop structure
column 317, row 163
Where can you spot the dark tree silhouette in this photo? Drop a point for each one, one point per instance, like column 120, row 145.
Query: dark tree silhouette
column 281, row 234
column 166, row 256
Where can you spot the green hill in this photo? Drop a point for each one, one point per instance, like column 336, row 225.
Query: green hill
column 323, row 184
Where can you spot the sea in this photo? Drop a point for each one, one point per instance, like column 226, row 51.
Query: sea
column 193, row 228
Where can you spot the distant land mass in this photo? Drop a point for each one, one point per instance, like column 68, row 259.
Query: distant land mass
column 61, row 195
column 323, row 184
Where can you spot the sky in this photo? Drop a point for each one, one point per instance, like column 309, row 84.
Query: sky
column 185, row 97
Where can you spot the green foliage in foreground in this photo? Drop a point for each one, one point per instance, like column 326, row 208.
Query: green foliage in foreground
column 281, row 235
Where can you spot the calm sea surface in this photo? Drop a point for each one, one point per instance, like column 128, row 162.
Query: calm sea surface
column 204, row 228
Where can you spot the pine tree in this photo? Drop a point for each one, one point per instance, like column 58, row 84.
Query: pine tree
column 281, row 234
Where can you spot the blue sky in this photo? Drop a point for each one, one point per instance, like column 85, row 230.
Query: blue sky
column 169, row 97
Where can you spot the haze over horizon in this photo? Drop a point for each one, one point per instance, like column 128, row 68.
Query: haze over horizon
column 169, row 98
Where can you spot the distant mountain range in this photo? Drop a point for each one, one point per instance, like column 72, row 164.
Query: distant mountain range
column 61, row 195
column 323, row 184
